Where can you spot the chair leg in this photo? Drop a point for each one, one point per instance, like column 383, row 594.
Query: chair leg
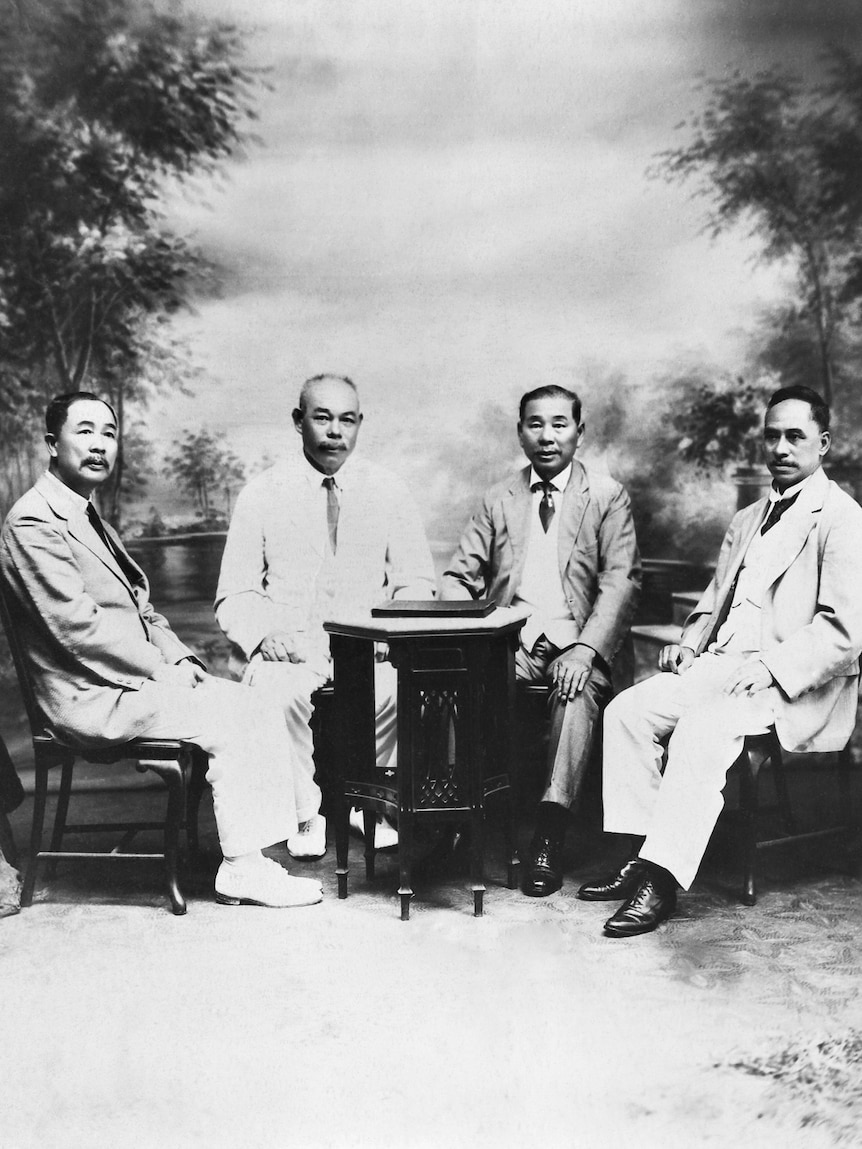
column 40, row 801
column 61, row 815
column 174, row 778
column 7, row 841
column 341, row 808
column 369, row 823
column 779, row 780
column 748, row 809
column 197, row 781
column 511, row 832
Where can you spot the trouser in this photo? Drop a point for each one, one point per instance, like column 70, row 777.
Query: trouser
column 290, row 685
column 250, row 767
column 676, row 811
column 572, row 724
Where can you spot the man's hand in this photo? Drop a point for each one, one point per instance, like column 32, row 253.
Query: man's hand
column 183, row 673
column 282, row 646
column 675, row 659
column 750, row 678
column 572, row 671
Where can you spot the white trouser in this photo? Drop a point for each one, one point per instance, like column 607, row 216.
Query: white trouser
column 290, row 685
column 250, row 767
column 676, row 811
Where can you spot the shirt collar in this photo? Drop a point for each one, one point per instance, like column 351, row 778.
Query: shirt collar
column 315, row 478
column 559, row 482
column 790, row 492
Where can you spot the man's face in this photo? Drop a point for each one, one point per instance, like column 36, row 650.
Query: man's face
column 85, row 450
column 329, row 424
column 793, row 443
column 549, row 435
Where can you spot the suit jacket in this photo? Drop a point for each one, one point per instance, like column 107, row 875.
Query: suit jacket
column 276, row 549
column 91, row 636
column 598, row 554
column 811, row 619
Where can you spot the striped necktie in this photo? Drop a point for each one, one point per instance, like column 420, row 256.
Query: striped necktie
column 332, row 509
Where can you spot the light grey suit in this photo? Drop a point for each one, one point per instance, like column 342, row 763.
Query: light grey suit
column 600, row 575
column 93, row 642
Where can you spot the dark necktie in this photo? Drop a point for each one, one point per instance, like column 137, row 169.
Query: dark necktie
column 776, row 511
column 331, row 510
column 99, row 527
column 546, row 504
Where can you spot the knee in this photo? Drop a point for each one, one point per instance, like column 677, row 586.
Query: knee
column 622, row 710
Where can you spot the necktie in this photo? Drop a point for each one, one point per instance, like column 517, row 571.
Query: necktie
column 99, row 527
column 776, row 511
column 546, row 505
column 331, row 510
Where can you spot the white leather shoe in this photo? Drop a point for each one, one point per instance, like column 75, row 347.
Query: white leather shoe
column 309, row 841
column 264, row 883
column 385, row 836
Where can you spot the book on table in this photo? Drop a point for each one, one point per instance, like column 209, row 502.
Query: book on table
column 434, row 607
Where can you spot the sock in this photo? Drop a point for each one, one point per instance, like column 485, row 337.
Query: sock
column 552, row 820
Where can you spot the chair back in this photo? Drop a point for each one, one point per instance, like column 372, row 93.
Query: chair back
column 7, row 617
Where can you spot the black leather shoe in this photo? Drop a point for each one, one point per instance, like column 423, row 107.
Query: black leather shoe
column 651, row 904
column 623, row 885
column 545, row 867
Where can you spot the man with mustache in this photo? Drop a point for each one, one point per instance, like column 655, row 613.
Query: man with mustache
column 774, row 641
column 106, row 668
column 313, row 536
column 558, row 539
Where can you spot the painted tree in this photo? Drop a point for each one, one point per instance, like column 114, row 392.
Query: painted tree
column 205, row 467
column 105, row 107
column 785, row 159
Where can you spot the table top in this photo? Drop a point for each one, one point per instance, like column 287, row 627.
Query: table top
column 501, row 620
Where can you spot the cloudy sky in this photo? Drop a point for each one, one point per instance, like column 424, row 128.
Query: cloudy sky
column 449, row 203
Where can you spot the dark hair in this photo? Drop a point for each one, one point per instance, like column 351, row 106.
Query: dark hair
column 57, row 410
column 303, row 394
column 819, row 406
column 551, row 391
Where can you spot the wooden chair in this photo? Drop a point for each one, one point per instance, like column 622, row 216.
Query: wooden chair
column 181, row 767
column 764, row 750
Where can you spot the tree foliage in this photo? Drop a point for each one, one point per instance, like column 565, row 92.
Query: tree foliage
column 206, row 468
column 785, row 159
column 104, row 105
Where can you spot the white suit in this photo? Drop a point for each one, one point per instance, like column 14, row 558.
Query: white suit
column 279, row 574
column 810, row 637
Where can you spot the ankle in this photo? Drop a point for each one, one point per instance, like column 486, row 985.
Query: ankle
column 662, row 879
column 551, row 820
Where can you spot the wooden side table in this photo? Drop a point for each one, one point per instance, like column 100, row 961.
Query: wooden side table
column 456, row 682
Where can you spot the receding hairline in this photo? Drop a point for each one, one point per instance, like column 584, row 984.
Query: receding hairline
column 309, row 384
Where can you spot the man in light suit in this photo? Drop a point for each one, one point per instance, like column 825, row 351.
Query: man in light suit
column 560, row 540
column 107, row 668
column 319, row 534
column 774, row 641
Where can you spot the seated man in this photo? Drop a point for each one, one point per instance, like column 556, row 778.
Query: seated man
column 560, row 540
column 774, row 641
column 107, row 668
column 310, row 537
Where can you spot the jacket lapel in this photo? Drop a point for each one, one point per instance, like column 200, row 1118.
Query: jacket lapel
column 799, row 522
column 80, row 530
column 516, row 511
column 574, row 508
